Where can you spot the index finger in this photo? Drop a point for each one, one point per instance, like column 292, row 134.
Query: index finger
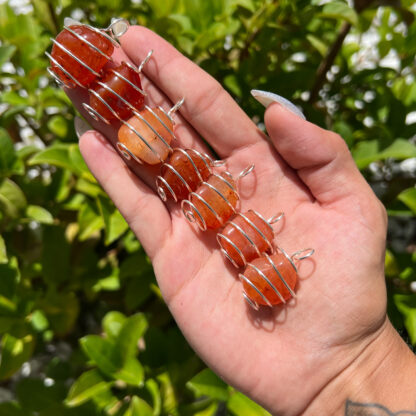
column 207, row 107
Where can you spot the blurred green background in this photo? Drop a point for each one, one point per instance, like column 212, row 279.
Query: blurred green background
column 84, row 330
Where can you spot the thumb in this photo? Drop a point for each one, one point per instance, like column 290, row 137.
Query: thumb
column 320, row 157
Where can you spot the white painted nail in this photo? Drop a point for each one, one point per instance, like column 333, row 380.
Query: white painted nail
column 266, row 98
column 81, row 126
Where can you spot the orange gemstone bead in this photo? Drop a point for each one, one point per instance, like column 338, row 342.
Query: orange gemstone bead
column 120, row 89
column 245, row 237
column 269, row 280
column 147, row 135
column 80, row 51
column 183, row 173
column 213, row 203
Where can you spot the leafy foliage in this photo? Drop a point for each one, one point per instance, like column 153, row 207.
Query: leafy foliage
column 84, row 329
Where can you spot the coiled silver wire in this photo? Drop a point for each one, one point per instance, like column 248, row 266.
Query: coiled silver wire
column 221, row 237
column 111, row 36
column 191, row 212
column 162, row 183
column 297, row 256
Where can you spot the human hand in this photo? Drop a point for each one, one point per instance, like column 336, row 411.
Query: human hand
column 286, row 358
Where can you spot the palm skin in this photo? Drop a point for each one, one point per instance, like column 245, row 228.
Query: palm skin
column 282, row 357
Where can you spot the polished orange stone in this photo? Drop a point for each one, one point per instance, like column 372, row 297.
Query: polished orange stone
column 284, row 267
column 114, row 79
column 82, row 51
column 255, row 228
column 217, row 204
column 181, row 163
column 134, row 135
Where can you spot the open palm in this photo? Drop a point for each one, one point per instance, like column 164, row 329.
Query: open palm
column 282, row 357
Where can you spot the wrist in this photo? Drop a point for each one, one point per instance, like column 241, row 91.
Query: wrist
column 382, row 374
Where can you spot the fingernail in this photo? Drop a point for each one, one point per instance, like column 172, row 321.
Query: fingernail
column 81, row 126
column 266, row 98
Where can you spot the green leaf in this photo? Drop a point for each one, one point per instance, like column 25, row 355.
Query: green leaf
column 58, row 125
column 89, row 220
column 39, row 214
column 39, row 321
column 77, row 161
column 406, row 304
column 131, row 373
column 320, row 46
column 14, row 352
column 207, row 383
column 138, row 407
column 110, row 283
column 112, row 323
column 238, row 404
column 368, row 151
column 133, row 329
column 64, row 156
column 408, row 197
column 153, row 388
column 12, row 199
column 400, row 149
column 102, row 352
column 7, row 153
column 232, row 83
column 167, row 392
column 6, row 52
column 86, row 387
column 3, row 251
column 340, row 11
column 114, row 223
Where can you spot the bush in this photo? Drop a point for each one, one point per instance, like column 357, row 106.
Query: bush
column 84, row 328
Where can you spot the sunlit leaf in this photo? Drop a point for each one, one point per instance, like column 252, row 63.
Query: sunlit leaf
column 102, row 352
column 113, row 322
column 3, row 251
column 207, row 383
column 58, row 125
column 12, row 199
column 87, row 386
column 138, row 407
column 239, row 404
column 14, row 352
column 6, row 52
column 39, row 214
column 132, row 330
column 115, row 224
column 340, row 10
column 7, row 153
column 406, row 304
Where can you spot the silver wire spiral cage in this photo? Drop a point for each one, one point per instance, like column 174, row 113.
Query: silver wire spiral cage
column 297, row 256
column 162, row 185
column 109, row 33
column 128, row 154
column 193, row 214
column 221, row 238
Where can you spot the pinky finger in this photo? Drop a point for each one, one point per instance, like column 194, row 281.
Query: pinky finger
column 138, row 204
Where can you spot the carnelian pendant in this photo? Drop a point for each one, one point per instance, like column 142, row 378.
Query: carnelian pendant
column 146, row 136
column 78, row 54
column 117, row 94
column 271, row 280
column 214, row 201
column 183, row 173
column 247, row 236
